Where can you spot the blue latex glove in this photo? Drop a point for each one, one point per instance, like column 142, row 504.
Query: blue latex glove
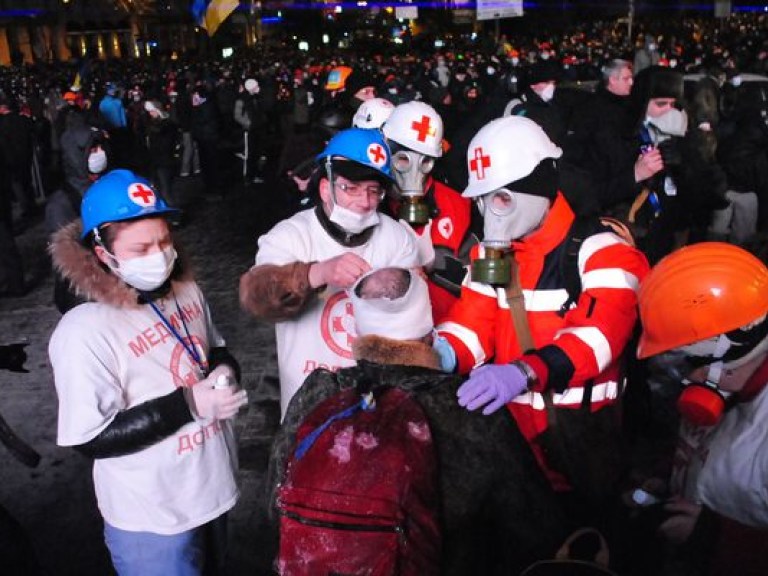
column 445, row 351
column 492, row 384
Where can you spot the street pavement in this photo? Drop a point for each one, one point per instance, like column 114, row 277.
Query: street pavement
column 55, row 502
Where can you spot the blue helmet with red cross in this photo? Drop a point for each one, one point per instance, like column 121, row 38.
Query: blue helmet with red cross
column 117, row 196
column 365, row 147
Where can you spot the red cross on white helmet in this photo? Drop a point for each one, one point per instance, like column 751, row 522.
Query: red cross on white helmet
column 418, row 127
column 505, row 150
column 377, row 155
column 141, row 194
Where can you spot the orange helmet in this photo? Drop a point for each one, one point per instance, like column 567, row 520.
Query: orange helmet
column 699, row 292
column 337, row 77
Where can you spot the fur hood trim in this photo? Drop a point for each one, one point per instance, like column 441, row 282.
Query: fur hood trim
column 382, row 350
column 87, row 275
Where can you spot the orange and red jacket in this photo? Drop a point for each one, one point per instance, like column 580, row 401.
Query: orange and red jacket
column 572, row 348
column 451, row 223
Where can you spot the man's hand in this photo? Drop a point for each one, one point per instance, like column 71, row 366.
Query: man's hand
column 342, row 271
column 648, row 164
column 683, row 517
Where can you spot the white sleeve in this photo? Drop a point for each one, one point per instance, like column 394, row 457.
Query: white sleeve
column 215, row 339
column 284, row 244
column 85, row 374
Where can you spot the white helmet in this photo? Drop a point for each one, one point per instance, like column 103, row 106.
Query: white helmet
column 418, row 127
column 372, row 113
column 506, row 150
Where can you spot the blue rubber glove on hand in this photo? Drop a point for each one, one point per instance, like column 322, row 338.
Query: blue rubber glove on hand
column 446, row 353
column 492, row 384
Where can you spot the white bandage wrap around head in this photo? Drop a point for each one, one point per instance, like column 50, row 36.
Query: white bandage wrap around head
column 407, row 317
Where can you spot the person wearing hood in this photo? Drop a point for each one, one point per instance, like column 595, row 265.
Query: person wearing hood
column 497, row 512
column 145, row 384
column 305, row 263
column 647, row 55
column 249, row 113
column 526, row 338
column 537, row 101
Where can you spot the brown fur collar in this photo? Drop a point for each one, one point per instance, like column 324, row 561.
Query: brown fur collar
column 401, row 352
column 88, row 277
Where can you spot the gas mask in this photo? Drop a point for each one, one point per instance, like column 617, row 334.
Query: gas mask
column 145, row 273
column 507, row 216
column 411, row 170
column 673, row 122
column 703, row 402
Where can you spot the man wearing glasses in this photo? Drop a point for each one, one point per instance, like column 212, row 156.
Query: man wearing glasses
column 305, row 263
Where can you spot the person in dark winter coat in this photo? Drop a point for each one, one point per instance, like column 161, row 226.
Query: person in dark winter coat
column 11, row 269
column 538, row 101
column 205, row 131
column 76, row 143
column 498, row 512
column 162, row 135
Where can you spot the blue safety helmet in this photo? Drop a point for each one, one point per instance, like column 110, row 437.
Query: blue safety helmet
column 117, row 196
column 363, row 146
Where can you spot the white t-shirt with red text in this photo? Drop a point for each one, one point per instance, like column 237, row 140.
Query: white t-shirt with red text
column 321, row 336
column 108, row 359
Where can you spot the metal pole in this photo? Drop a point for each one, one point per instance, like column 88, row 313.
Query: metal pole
column 630, row 21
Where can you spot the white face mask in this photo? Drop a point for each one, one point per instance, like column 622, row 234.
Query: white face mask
column 97, row 161
column 351, row 221
column 515, row 61
column 673, row 122
column 547, row 93
column 146, row 273
column 510, row 215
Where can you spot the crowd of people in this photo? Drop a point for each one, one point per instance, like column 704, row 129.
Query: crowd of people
column 555, row 228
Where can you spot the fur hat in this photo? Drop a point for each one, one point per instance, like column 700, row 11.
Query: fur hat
column 544, row 71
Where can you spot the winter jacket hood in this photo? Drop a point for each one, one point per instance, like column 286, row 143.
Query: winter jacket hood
column 89, row 278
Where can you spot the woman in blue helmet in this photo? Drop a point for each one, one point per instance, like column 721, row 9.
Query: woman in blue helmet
column 141, row 375
column 305, row 263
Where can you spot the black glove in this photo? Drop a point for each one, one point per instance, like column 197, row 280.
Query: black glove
column 12, row 357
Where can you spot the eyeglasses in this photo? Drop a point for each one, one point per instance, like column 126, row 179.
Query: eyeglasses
column 357, row 190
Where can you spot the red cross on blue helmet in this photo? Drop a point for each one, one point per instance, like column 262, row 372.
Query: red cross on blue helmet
column 363, row 146
column 117, row 196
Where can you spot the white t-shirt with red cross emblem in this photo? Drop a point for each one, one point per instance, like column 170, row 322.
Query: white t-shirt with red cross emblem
column 321, row 337
column 107, row 359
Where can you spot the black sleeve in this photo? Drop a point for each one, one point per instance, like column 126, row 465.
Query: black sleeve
column 134, row 429
column 218, row 356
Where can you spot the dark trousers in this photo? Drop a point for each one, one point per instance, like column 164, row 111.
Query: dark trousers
column 11, row 269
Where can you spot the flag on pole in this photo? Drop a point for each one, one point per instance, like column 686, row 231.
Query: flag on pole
column 210, row 14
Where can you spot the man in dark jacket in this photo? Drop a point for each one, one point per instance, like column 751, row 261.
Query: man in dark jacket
column 205, row 131
column 498, row 512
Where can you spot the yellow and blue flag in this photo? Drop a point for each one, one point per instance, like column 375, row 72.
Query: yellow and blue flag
column 210, row 14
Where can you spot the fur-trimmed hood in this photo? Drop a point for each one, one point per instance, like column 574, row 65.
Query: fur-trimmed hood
column 89, row 278
column 380, row 350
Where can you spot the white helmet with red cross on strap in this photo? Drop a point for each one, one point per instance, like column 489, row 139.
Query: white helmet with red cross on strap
column 506, row 150
column 416, row 126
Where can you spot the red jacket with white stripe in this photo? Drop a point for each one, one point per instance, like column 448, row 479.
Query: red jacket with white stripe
column 583, row 344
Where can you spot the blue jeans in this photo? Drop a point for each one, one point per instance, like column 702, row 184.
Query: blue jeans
column 197, row 552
